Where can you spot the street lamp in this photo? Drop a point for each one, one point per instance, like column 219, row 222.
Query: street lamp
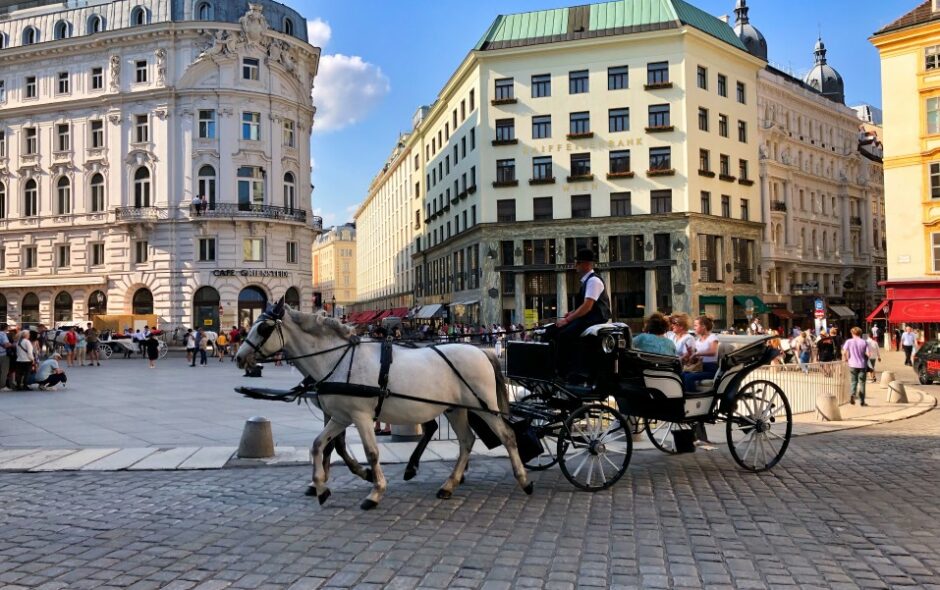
column 333, row 305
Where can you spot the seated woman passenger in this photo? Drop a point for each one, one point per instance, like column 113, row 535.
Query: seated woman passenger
column 705, row 350
column 653, row 338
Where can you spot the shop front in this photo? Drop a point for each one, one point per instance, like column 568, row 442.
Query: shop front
column 914, row 303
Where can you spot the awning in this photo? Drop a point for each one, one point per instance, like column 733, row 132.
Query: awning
column 712, row 300
column 428, row 311
column 842, row 311
column 871, row 317
column 754, row 300
column 784, row 314
column 399, row 312
column 925, row 311
column 384, row 314
column 52, row 282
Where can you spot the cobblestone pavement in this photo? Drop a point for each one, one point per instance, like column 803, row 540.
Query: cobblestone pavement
column 852, row 509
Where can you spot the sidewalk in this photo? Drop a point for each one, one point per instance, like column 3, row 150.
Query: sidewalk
column 187, row 456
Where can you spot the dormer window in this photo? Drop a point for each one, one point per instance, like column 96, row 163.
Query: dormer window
column 138, row 17
column 30, row 36
column 95, row 24
column 63, row 30
column 288, row 27
column 204, row 11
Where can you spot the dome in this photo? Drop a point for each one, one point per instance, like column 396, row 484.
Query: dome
column 748, row 34
column 824, row 78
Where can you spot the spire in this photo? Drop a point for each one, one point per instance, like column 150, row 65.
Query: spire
column 820, row 52
column 740, row 12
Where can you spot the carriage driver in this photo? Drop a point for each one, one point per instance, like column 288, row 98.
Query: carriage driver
column 592, row 308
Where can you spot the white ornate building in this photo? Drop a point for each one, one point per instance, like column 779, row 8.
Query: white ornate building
column 113, row 116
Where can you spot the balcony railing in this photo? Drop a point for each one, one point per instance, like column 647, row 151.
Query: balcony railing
column 778, row 206
column 855, row 221
column 141, row 213
column 256, row 211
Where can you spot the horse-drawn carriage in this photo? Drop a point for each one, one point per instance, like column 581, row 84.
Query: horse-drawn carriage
column 110, row 344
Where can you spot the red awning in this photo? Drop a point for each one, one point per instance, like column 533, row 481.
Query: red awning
column 872, row 315
column 784, row 314
column 400, row 312
column 923, row 311
column 382, row 315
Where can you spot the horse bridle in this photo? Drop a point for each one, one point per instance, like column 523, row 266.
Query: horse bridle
column 268, row 326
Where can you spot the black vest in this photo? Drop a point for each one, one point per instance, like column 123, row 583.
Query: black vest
column 600, row 313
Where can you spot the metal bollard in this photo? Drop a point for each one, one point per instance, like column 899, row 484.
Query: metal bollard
column 886, row 378
column 257, row 439
column 897, row 394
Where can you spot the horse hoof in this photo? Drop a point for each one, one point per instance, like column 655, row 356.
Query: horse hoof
column 370, row 476
column 368, row 504
column 529, row 488
column 410, row 474
column 310, row 491
column 444, row 494
column 324, row 497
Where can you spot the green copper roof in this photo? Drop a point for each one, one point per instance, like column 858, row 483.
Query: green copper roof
column 598, row 20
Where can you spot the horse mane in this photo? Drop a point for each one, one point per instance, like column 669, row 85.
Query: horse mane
column 315, row 323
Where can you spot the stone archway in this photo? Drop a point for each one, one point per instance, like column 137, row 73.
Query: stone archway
column 251, row 302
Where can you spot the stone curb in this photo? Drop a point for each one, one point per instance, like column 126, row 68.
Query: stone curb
column 204, row 458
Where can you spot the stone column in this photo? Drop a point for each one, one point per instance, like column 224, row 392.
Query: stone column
column 846, row 212
column 788, row 217
column 650, row 292
column 520, row 296
column 867, row 216
column 765, row 204
column 561, row 289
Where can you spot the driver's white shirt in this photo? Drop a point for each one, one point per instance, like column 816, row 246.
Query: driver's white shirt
column 595, row 286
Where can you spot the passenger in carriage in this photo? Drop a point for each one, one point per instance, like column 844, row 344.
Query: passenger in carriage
column 592, row 307
column 653, row 338
column 679, row 334
column 705, row 350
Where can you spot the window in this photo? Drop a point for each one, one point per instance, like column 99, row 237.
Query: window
column 658, row 115
column 97, row 254
column 581, row 164
column 206, row 249
column 63, row 189
column 742, row 93
column 142, row 187
column 723, row 125
column 580, row 206
column 97, row 193
column 141, row 252
column 580, row 123
column 742, row 131
column 710, row 258
column 62, row 86
column 661, row 201
column 472, row 100
column 291, row 253
column 31, row 87
column 620, row 205
column 95, row 24
column 204, row 11
column 30, row 198
column 506, row 170
column 618, row 78
column 250, row 187
column 725, row 205
column 63, row 133
column 63, row 256
column 702, row 119
column 541, row 126
column 661, row 158
column 745, row 210
column 251, row 126
column 290, row 191
column 542, row 168
column 578, row 82
column 3, row 202
column 661, row 243
column 541, row 85
column 288, row 27
column 619, row 120
column 3, row 91
column 253, row 250
column 30, row 257
column 743, row 252
column 657, row 73
column 724, row 165
column 619, row 161
column 290, row 133
column 31, row 140
column 702, row 78
column 722, row 85
column 141, row 71
column 251, row 68
column 3, row 144
column 30, row 36
column 542, row 208
column 473, row 139
column 97, row 78
column 3, row 45
column 207, row 124
column 704, row 161
column 97, row 133
column 933, row 114
column 504, row 89
column 138, row 16
column 742, row 170
column 63, row 30
column 505, row 129
column 141, row 128
column 706, row 201
column 935, row 180
column 505, row 210
column 935, row 245
column 463, row 110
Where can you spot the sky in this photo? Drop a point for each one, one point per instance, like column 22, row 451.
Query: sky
column 381, row 59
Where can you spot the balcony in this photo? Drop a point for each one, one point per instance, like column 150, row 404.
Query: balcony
column 778, row 206
column 542, row 180
column 233, row 210
column 622, row 174
column 580, row 135
column 706, row 173
column 501, row 101
column 855, row 221
column 141, row 213
column 505, row 183
column 657, row 86
column 661, row 172
column 709, row 272
column 745, row 182
column 660, row 128
column 726, row 177
column 581, row 178
column 497, row 142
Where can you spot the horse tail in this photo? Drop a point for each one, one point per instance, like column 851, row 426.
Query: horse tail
column 502, row 392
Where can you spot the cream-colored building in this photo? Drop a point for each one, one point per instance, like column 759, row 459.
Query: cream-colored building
column 334, row 268
column 113, row 116
column 910, row 81
column 630, row 132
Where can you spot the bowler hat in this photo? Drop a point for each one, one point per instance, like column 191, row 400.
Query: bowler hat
column 585, row 255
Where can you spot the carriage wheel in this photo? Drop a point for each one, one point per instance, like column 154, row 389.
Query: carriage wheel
column 595, row 447
column 547, row 458
column 660, row 434
column 164, row 349
column 759, row 426
column 105, row 350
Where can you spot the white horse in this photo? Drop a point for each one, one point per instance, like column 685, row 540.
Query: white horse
column 327, row 350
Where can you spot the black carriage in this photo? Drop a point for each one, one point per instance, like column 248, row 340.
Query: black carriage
column 588, row 429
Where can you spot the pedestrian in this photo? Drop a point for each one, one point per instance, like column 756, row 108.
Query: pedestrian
column 25, row 359
column 152, row 345
column 190, row 347
column 49, row 374
column 803, row 346
column 234, row 338
column 897, row 339
column 221, row 345
column 874, row 355
column 197, row 205
column 908, row 340
column 81, row 346
column 92, row 338
column 876, row 333
column 201, row 342
column 855, row 353
column 5, row 347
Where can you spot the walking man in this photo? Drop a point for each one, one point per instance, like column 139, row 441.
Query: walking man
column 5, row 346
column 874, row 355
column 908, row 340
column 91, row 343
column 855, row 352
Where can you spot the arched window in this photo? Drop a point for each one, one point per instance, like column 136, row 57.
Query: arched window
column 204, row 11
column 138, row 16
column 95, row 24
column 3, row 201
column 30, row 36
column 63, row 192
column 30, row 198
column 251, row 303
column 288, row 27
column 97, row 193
column 142, row 187
column 206, row 303
column 207, row 184
column 3, row 41
column 30, row 310
column 290, row 191
column 97, row 304
column 3, row 309
column 63, row 30
column 142, row 303
column 292, row 298
column 62, row 307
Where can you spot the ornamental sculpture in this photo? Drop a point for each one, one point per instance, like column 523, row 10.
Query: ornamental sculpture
column 115, row 73
column 253, row 24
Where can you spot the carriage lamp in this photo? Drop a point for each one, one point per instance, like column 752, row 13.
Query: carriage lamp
column 609, row 344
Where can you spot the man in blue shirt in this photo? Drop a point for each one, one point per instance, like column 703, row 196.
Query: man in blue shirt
column 49, row 374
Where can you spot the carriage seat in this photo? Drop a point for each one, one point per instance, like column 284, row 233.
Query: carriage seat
column 724, row 349
column 596, row 329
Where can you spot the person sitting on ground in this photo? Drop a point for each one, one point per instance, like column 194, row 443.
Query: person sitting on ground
column 653, row 338
column 48, row 375
column 705, row 350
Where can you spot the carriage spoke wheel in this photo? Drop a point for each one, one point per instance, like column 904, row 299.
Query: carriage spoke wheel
column 660, row 434
column 595, row 447
column 164, row 349
column 549, row 439
column 105, row 351
column 759, row 426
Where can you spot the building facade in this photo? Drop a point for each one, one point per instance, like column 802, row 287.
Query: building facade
column 113, row 117
column 334, row 269
column 910, row 78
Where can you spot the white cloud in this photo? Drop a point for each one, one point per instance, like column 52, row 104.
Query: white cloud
column 319, row 32
column 351, row 210
column 347, row 89
column 313, row 164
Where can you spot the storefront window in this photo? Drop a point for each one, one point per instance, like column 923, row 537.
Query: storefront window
column 142, row 302
column 62, row 307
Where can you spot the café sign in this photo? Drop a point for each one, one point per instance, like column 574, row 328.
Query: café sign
column 248, row 273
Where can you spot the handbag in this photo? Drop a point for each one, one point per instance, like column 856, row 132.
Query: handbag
column 693, row 367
